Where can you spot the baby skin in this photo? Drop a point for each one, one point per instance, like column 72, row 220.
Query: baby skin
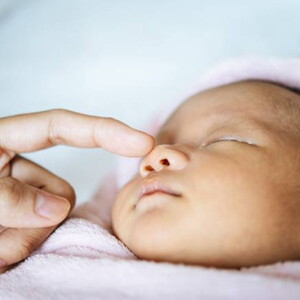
column 221, row 186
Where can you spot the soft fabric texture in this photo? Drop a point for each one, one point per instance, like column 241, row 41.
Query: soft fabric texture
column 83, row 260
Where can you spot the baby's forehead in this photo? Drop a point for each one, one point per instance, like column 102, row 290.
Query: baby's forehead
column 243, row 107
column 242, row 94
column 267, row 101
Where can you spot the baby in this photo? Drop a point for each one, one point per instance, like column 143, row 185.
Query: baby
column 221, row 187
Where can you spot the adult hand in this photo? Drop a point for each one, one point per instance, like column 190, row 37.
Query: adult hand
column 33, row 201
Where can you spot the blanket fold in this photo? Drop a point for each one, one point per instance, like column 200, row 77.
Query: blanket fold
column 81, row 260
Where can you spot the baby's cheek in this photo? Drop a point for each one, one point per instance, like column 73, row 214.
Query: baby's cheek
column 155, row 234
column 122, row 212
column 115, row 218
column 118, row 216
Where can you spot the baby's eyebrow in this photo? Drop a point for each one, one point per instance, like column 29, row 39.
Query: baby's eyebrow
column 247, row 125
column 235, row 118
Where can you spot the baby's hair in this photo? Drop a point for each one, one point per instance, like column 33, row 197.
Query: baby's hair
column 290, row 106
column 287, row 110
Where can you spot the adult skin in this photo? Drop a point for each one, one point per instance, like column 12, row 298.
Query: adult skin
column 33, row 201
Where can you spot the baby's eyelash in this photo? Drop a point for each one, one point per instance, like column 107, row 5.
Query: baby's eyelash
column 230, row 138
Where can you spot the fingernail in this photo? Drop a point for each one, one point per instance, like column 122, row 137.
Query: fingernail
column 50, row 206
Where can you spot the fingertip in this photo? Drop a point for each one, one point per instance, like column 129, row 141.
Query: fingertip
column 120, row 138
column 140, row 144
column 151, row 143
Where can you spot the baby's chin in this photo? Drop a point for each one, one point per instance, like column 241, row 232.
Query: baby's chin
column 147, row 249
column 155, row 241
column 171, row 233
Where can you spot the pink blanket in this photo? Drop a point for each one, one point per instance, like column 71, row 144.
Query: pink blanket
column 83, row 260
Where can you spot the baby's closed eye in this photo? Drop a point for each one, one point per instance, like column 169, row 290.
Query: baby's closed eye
column 228, row 139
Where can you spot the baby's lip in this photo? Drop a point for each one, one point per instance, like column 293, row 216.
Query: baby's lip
column 153, row 186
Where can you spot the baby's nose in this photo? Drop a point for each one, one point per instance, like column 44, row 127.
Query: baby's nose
column 161, row 157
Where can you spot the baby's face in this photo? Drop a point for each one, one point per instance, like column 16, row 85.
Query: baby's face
column 230, row 158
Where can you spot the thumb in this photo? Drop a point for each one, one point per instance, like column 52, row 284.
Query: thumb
column 24, row 206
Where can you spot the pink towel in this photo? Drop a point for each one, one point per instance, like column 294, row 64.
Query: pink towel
column 83, row 260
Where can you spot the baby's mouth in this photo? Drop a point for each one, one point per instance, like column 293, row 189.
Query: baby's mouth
column 155, row 186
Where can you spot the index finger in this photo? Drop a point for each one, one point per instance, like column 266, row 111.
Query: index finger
column 35, row 131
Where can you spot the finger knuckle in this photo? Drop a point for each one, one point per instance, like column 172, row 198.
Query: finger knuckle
column 25, row 248
column 30, row 240
column 101, row 129
column 57, row 111
column 53, row 125
column 10, row 193
column 110, row 119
